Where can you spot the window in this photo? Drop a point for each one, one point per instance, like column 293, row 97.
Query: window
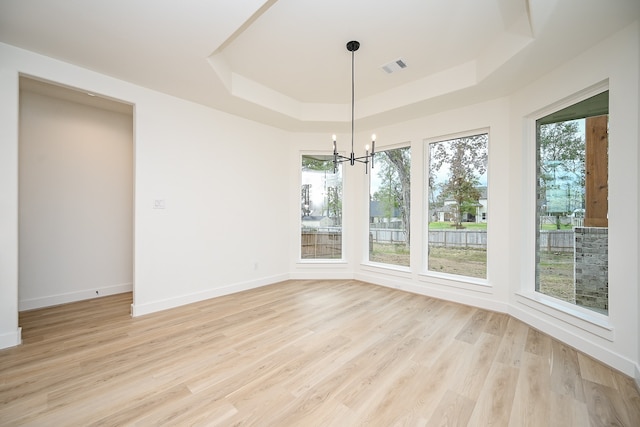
column 457, row 200
column 572, row 203
column 389, row 207
column 321, row 208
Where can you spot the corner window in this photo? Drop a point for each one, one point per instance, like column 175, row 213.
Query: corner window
column 320, row 208
column 457, row 206
column 572, row 204
column 389, row 207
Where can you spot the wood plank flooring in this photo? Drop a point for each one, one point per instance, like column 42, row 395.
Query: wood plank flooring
column 298, row 353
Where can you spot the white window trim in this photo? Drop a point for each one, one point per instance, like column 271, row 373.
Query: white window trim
column 317, row 261
column 365, row 256
column 448, row 279
column 456, row 281
column 573, row 314
column 588, row 320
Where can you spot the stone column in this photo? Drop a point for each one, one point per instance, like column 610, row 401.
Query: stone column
column 592, row 267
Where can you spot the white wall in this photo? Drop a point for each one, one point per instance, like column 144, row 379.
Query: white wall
column 637, row 62
column 9, row 330
column 75, row 200
column 225, row 188
column 215, row 172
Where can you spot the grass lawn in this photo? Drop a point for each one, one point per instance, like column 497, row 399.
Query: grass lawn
column 556, row 275
column 556, row 268
column 396, row 254
column 442, row 225
column 463, row 261
column 554, row 227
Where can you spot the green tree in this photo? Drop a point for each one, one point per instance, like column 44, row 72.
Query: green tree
column 394, row 169
column 387, row 196
column 317, row 163
column 561, row 153
column 335, row 203
column 332, row 206
column 466, row 160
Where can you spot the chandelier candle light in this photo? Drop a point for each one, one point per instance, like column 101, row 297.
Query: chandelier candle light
column 352, row 46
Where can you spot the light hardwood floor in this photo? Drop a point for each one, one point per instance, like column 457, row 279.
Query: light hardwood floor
column 300, row 353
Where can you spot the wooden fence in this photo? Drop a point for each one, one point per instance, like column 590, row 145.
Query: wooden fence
column 557, row 240
column 386, row 235
column 458, row 238
column 550, row 240
column 328, row 244
column 321, row 244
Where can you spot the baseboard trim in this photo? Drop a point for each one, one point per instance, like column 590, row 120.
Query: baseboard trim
column 321, row 275
column 598, row 352
column 154, row 306
column 51, row 300
column 11, row 339
column 448, row 294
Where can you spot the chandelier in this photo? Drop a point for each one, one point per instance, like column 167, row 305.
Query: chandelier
column 352, row 46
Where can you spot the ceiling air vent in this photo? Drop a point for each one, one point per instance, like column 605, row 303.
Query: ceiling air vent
column 394, row 66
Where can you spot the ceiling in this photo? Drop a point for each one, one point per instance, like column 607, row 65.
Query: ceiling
column 284, row 62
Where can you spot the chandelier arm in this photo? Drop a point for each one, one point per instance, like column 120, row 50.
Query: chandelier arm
column 340, row 158
column 360, row 159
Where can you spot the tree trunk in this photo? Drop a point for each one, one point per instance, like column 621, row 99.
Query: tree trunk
column 404, row 173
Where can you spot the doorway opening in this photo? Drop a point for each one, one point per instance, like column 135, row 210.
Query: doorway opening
column 76, row 192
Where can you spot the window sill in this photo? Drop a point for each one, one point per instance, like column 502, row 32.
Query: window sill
column 321, row 261
column 590, row 321
column 456, row 281
column 385, row 268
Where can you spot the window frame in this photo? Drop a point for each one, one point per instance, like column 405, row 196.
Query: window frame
column 311, row 261
column 366, row 260
column 584, row 318
column 450, row 279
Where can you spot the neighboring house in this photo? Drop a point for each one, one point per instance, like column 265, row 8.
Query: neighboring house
column 377, row 213
column 446, row 212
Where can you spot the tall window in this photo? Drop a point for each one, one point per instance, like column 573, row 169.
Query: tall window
column 572, row 204
column 389, row 207
column 457, row 240
column 321, row 208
